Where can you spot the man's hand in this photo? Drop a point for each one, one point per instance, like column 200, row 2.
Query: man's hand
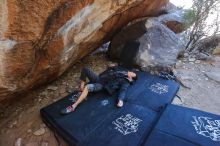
column 120, row 103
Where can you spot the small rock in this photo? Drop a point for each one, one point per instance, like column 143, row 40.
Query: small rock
column 20, row 116
column 186, row 78
column 69, row 90
column 32, row 144
column 185, row 82
column 29, row 131
column 202, row 56
column 54, row 100
column 75, row 76
column 7, row 131
column 177, row 101
column 197, row 61
column 184, row 60
column 44, row 143
column 62, row 90
column 206, row 79
column 186, row 54
column 178, row 63
column 13, row 124
column 63, row 94
column 53, row 88
column 192, row 59
column 40, row 132
column 214, row 76
column 43, row 125
column 18, row 142
column 44, row 93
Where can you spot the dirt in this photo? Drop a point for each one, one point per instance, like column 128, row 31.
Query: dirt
column 204, row 93
column 20, row 118
column 21, row 125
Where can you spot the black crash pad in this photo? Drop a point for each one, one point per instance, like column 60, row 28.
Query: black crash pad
column 95, row 120
column 183, row 126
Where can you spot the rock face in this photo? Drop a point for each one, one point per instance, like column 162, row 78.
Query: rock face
column 40, row 39
column 214, row 75
column 208, row 45
column 217, row 50
column 159, row 46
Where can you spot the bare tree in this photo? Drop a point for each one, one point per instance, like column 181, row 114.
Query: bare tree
column 206, row 22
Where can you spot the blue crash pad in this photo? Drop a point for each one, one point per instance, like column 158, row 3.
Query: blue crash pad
column 91, row 123
column 183, row 126
column 127, row 126
column 87, row 117
column 152, row 91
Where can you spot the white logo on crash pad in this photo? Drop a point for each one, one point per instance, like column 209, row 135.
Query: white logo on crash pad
column 127, row 124
column 159, row 88
column 207, row 127
column 104, row 102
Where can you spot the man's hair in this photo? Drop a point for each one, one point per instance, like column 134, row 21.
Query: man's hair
column 135, row 78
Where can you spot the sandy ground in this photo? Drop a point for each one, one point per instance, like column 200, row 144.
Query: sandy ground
column 21, row 125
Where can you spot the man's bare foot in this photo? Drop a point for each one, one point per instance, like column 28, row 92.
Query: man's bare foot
column 68, row 109
column 120, row 103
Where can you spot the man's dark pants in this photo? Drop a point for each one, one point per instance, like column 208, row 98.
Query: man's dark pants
column 97, row 85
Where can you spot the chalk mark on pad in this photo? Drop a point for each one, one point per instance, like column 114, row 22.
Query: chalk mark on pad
column 127, row 124
column 159, row 88
column 207, row 127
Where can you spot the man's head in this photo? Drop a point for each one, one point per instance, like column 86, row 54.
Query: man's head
column 132, row 75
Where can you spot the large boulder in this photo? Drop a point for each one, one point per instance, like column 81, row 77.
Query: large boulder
column 175, row 20
column 173, row 17
column 158, row 45
column 208, row 44
column 40, row 39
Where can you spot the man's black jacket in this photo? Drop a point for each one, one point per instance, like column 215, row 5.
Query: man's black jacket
column 114, row 77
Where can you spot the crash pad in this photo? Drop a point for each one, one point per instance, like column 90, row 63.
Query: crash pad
column 185, row 126
column 97, row 121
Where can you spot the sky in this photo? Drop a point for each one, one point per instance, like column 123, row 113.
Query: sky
column 188, row 3
column 182, row 3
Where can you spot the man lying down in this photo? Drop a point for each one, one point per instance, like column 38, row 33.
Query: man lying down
column 114, row 79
